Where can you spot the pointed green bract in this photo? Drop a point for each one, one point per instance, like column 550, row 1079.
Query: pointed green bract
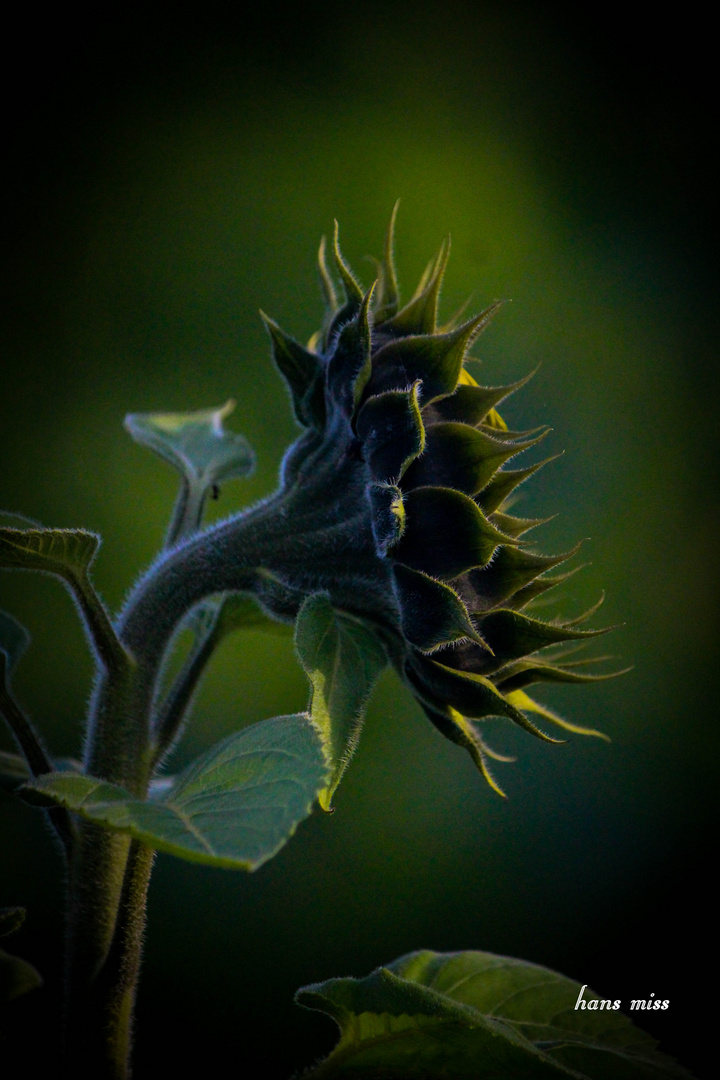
column 303, row 373
column 510, row 634
column 475, row 1014
column 521, row 700
column 342, row 658
column 388, row 295
column 516, row 527
column 511, row 570
column 350, row 364
column 470, row 404
column 436, row 359
column 326, row 280
column 353, row 290
column 455, row 727
column 234, row 807
column 419, row 316
column 432, row 614
column 387, row 515
column 504, row 482
column 471, row 695
column 461, row 457
column 392, row 432
column 534, row 670
column 469, row 539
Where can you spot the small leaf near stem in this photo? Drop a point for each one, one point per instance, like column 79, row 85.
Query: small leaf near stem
column 205, row 455
column 342, row 657
column 67, row 553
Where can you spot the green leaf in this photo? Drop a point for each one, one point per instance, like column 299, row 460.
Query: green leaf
column 14, row 769
column 195, row 443
column 17, row 977
column 474, row 1014
column 445, row 533
column 342, row 658
column 234, row 807
column 65, row 552
column 240, row 611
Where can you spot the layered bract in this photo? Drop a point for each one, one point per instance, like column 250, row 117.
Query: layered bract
column 402, row 479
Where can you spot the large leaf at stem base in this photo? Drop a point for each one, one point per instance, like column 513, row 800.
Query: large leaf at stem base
column 342, row 658
column 234, row 807
column 474, row 1014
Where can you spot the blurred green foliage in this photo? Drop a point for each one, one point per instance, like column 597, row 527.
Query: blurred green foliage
column 166, row 182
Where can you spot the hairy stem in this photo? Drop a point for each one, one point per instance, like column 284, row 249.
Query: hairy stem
column 303, row 536
column 24, row 733
column 99, row 629
column 187, row 512
column 109, row 882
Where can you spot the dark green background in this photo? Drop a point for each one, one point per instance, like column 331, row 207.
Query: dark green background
column 164, row 179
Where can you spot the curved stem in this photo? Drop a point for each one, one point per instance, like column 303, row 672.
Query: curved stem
column 315, row 536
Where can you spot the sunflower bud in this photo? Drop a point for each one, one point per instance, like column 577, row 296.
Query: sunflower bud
column 399, row 485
